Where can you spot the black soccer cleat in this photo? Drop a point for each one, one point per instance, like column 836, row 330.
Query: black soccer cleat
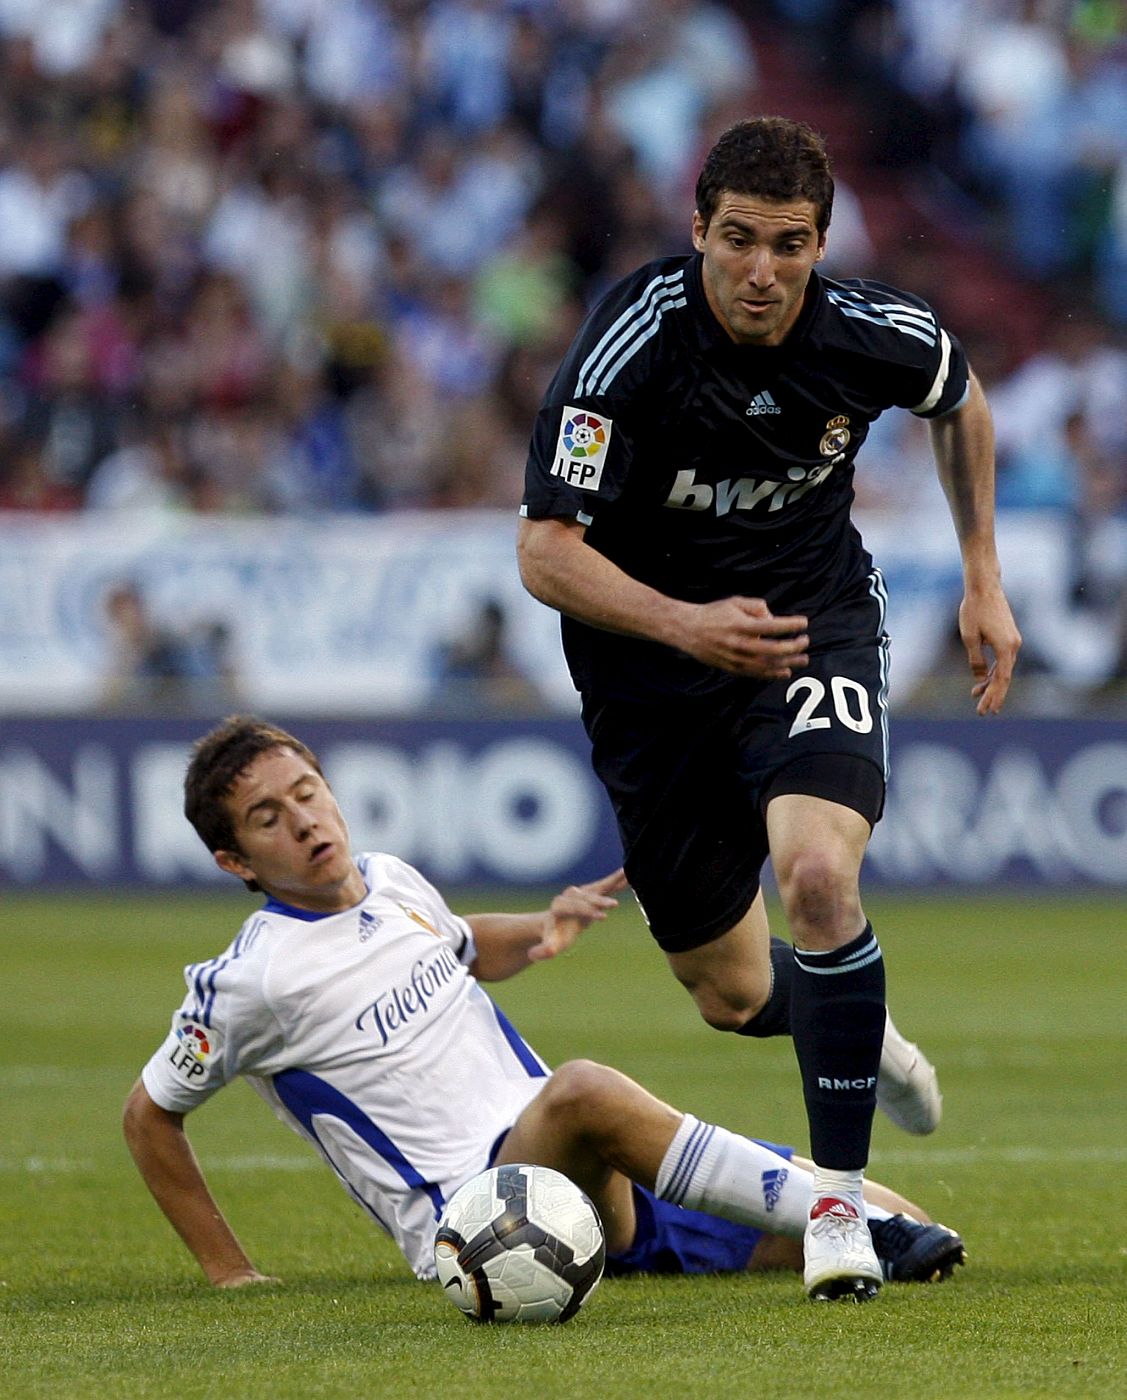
column 913, row 1253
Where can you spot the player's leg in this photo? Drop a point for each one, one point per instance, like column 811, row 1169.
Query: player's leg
column 690, row 788
column 742, row 982
column 731, row 978
column 600, row 1127
column 574, row 1125
column 680, row 803
column 711, row 1192
column 884, row 1198
column 837, row 1022
column 816, row 848
column 911, row 1247
column 604, row 1130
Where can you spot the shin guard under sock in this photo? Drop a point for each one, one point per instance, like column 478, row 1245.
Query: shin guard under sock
column 837, row 1021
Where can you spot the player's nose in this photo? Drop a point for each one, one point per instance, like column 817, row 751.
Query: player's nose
column 761, row 268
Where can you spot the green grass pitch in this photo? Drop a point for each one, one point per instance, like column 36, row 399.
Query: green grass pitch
column 1019, row 1001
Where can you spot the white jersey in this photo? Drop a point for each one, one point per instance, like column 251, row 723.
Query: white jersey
column 367, row 1034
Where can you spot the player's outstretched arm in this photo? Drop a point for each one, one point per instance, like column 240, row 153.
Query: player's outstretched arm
column 963, row 443
column 508, row 943
column 165, row 1159
column 740, row 635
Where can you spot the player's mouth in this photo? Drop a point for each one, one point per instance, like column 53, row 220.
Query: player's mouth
column 322, row 852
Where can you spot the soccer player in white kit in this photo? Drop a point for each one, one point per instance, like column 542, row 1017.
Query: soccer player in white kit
column 352, row 1003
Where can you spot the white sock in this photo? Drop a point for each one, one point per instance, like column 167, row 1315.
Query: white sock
column 706, row 1167
column 846, row 1185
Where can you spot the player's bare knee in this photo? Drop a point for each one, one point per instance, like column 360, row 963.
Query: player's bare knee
column 582, row 1092
column 820, row 896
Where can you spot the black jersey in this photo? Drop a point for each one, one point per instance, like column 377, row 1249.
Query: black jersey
column 709, row 469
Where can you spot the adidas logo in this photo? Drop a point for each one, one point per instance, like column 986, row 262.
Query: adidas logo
column 762, row 403
column 369, row 923
column 830, row 1205
column 773, row 1181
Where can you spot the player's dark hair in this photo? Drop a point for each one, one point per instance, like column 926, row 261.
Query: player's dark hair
column 218, row 760
column 773, row 157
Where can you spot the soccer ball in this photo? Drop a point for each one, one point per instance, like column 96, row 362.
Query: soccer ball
column 519, row 1244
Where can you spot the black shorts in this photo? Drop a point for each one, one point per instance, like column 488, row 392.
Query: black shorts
column 690, row 779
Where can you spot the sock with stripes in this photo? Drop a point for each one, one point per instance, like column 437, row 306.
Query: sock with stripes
column 709, row 1168
column 837, row 1021
column 773, row 1017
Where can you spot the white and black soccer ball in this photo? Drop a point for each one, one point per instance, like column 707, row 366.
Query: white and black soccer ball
column 519, row 1244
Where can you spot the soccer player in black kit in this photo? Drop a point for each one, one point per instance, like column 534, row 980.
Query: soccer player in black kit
column 687, row 511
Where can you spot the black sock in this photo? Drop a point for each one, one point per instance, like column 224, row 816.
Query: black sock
column 837, row 1020
column 773, row 1017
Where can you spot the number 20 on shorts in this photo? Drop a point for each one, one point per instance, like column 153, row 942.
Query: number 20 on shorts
column 848, row 700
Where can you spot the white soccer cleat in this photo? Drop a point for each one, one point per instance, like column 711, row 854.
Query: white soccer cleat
column 907, row 1085
column 841, row 1262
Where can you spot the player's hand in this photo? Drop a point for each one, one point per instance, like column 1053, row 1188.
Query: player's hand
column 992, row 640
column 243, row 1278
column 743, row 636
column 573, row 910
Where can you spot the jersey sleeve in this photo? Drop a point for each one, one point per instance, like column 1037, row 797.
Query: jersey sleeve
column 950, row 383
column 584, row 440
column 917, row 364
column 579, row 457
column 220, row 1030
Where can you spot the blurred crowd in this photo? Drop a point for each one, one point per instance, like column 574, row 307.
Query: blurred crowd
column 311, row 256
column 1008, row 118
column 320, row 255
column 1021, row 103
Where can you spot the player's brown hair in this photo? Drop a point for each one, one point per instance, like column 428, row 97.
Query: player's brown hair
column 216, row 763
column 773, row 157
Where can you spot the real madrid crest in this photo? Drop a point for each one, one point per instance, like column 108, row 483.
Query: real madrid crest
column 836, row 437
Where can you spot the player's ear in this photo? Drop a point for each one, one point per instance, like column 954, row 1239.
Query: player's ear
column 233, row 864
column 700, row 228
column 821, row 248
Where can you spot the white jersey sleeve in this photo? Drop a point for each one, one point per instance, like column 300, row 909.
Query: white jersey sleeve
column 221, row 1028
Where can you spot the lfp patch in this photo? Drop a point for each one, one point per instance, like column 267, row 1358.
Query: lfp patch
column 193, row 1041
column 189, row 1050
column 581, row 448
